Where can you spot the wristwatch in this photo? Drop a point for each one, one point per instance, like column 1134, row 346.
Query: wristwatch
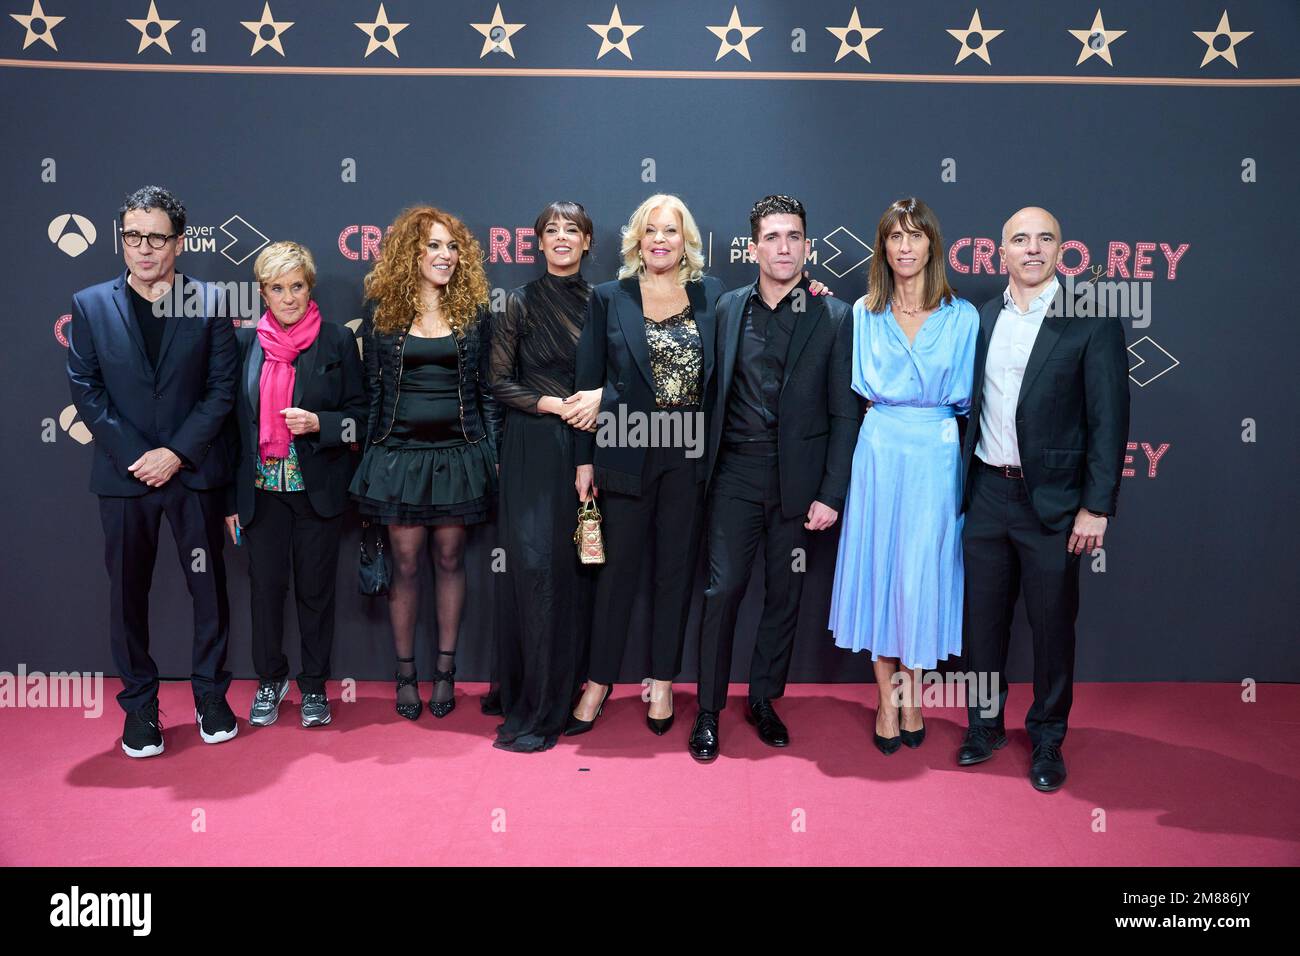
column 1096, row 514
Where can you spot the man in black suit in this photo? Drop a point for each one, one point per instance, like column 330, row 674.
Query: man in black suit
column 154, row 381
column 1042, row 460
column 779, row 456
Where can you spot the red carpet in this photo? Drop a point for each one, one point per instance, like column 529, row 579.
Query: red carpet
column 1185, row 774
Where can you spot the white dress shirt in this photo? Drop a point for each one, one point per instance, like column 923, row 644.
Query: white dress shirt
column 1004, row 372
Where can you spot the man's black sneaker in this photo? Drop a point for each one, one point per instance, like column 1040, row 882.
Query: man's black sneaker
column 142, row 732
column 215, row 718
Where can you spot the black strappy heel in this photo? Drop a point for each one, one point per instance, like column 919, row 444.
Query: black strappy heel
column 409, row 711
column 443, row 708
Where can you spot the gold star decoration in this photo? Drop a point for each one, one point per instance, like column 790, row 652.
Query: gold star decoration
column 47, row 24
column 497, row 34
column 981, row 51
column 741, row 47
column 389, row 42
column 255, row 27
column 1222, row 30
column 143, row 26
column 625, row 30
column 1096, row 40
column 864, row 34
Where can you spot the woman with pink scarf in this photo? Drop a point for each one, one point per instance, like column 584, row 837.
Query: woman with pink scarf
column 300, row 410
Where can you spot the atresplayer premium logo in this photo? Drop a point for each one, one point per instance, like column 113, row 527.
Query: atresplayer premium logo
column 839, row 252
column 241, row 239
column 72, row 233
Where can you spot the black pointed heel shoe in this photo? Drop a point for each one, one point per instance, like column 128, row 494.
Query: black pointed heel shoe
column 577, row 726
column 441, row 709
column 409, row 711
column 911, row 738
column 660, row 725
column 886, row 745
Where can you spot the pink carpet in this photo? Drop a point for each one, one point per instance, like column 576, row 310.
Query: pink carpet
column 1185, row 774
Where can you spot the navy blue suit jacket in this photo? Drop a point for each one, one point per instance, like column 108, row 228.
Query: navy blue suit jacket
column 131, row 407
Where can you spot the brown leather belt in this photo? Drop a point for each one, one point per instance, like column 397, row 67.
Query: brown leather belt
column 1006, row 471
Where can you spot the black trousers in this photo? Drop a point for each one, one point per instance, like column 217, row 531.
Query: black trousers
column 286, row 532
column 745, row 512
column 1009, row 554
column 130, row 549
column 663, row 525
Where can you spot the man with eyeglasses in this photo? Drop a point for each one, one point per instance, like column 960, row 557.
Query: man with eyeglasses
column 154, row 385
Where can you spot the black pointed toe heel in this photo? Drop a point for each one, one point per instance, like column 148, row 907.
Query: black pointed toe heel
column 577, row 726
column 441, row 709
column 409, row 711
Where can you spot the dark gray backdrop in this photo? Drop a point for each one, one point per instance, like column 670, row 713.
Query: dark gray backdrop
column 1200, row 562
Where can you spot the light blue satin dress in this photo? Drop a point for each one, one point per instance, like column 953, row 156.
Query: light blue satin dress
column 898, row 579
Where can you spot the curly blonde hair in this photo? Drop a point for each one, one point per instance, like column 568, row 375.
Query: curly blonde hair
column 394, row 283
column 691, row 267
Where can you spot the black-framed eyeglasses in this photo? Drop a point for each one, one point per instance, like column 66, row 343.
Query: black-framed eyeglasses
column 156, row 239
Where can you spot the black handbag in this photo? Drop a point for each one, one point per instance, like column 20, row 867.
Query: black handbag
column 374, row 573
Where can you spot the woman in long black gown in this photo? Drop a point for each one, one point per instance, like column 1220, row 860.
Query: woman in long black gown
column 543, row 592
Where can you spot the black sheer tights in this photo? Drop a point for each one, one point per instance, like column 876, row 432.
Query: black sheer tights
column 446, row 545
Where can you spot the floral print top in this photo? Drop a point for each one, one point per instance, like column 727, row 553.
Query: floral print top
column 280, row 474
column 677, row 359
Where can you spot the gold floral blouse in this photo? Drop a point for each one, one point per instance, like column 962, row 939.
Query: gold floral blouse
column 677, row 359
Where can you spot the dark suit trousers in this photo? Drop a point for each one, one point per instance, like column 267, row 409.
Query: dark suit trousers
column 744, row 513
column 286, row 532
column 664, row 525
column 130, row 548
column 1008, row 553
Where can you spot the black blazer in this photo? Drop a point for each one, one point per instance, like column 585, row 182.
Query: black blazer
column 329, row 382
column 613, row 355
column 1072, row 416
column 132, row 407
column 383, row 352
column 818, row 413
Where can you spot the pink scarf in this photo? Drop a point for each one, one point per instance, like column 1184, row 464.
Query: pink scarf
column 280, row 347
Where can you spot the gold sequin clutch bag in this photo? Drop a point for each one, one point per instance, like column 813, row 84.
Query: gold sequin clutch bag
column 587, row 536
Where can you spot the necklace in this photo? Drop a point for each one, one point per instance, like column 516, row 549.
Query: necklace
column 898, row 307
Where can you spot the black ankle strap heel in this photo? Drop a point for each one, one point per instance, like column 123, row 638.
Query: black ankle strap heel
column 443, row 708
column 409, row 711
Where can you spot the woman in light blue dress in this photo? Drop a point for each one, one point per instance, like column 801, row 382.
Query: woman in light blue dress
column 898, row 578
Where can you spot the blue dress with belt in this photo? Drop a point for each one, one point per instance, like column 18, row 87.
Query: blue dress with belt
column 898, row 578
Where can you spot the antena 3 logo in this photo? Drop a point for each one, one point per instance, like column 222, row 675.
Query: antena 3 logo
column 75, row 908
column 72, row 233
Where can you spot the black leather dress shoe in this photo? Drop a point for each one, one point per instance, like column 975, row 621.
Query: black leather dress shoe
column 1047, row 769
column 979, row 745
column 763, row 716
column 703, row 744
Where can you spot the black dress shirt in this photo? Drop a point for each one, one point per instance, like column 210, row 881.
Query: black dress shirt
column 760, row 369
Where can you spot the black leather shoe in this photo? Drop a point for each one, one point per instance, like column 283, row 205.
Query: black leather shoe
column 911, row 738
column 886, row 745
column 979, row 745
column 659, row 725
column 703, row 744
column 763, row 716
column 490, row 703
column 576, row 726
column 1047, row 769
